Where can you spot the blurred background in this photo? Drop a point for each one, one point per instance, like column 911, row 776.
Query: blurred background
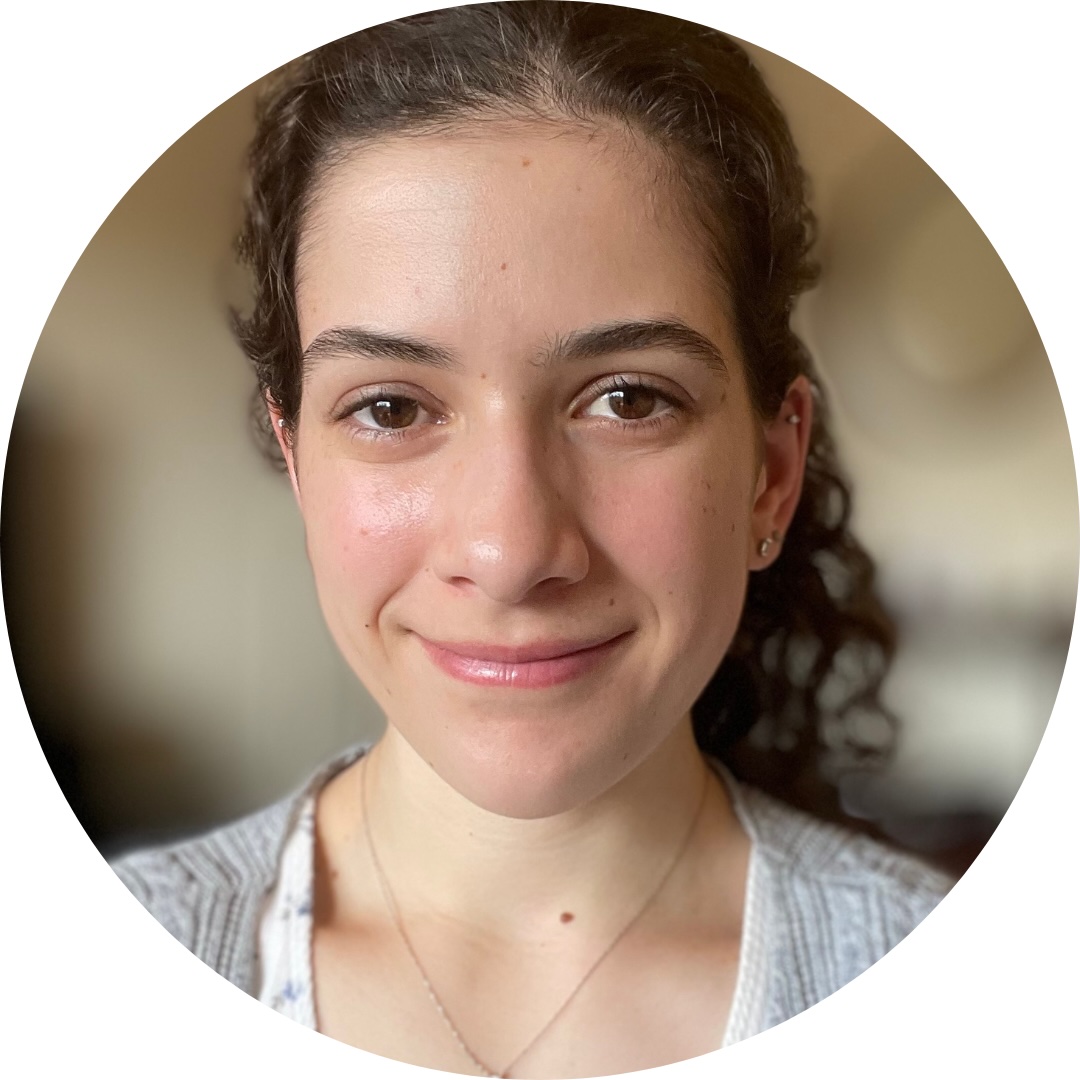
column 161, row 611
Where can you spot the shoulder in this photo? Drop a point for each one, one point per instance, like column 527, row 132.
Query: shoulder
column 804, row 848
column 208, row 891
column 833, row 901
column 226, row 859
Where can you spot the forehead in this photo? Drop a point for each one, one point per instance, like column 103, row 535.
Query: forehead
column 499, row 233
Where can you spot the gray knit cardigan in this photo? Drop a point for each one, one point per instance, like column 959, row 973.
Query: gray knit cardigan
column 828, row 902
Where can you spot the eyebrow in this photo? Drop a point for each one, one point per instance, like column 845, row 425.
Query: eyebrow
column 359, row 341
column 635, row 335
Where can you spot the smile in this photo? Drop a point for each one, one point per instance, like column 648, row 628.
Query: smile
column 530, row 667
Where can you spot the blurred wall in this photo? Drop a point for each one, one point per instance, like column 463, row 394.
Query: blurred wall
column 161, row 610
column 949, row 422
column 160, row 605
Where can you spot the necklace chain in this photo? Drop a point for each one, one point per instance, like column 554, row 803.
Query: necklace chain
column 399, row 925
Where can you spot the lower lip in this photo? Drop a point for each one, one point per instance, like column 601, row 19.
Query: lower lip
column 529, row 675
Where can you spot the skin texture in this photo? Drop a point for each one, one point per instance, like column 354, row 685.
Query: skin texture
column 502, row 499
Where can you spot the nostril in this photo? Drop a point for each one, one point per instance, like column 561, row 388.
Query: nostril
column 508, row 527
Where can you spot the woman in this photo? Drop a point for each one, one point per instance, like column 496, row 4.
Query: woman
column 523, row 279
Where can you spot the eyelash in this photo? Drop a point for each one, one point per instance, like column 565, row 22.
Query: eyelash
column 612, row 383
column 599, row 389
column 372, row 397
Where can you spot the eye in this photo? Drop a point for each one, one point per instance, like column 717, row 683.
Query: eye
column 629, row 401
column 388, row 412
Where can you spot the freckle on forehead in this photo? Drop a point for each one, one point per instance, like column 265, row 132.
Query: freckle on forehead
column 526, row 162
column 502, row 266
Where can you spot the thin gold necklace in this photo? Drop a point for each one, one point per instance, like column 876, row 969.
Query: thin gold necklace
column 399, row 925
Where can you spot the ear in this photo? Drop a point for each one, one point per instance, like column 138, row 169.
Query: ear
column 277, row 422
column 785, row 446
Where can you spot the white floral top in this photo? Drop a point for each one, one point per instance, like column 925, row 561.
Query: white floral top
column 285, row 932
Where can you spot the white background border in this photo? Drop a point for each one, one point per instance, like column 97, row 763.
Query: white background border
column 93, row 93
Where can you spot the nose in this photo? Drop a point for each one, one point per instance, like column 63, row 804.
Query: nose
column 508, row 524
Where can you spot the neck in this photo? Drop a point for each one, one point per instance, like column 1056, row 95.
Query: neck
column 515, row 878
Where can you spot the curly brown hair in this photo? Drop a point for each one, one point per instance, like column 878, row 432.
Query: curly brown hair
column 804, row 672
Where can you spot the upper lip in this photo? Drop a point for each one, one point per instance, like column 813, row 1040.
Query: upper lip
column 522, row 654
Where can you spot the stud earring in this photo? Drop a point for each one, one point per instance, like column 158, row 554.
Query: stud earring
column 281, row 422
column 763, row 547
column 794, row 418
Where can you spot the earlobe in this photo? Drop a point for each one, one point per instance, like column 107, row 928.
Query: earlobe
column 786, row 445
column 285, row 444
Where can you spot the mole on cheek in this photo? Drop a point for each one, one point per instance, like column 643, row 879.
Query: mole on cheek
column 526, row 162
column 502, row 266
column 566, row 916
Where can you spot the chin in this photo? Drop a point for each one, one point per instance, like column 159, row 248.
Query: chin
column 529, row 769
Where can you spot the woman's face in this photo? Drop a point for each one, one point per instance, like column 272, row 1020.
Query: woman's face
column 530, row 475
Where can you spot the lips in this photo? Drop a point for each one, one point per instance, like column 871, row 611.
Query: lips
column 533, row 666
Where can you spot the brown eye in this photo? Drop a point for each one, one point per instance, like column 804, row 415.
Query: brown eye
column 632, row 402
column 389, row 413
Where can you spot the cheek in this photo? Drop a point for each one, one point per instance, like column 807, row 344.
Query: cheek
column 366, row 530
column 679, row 532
